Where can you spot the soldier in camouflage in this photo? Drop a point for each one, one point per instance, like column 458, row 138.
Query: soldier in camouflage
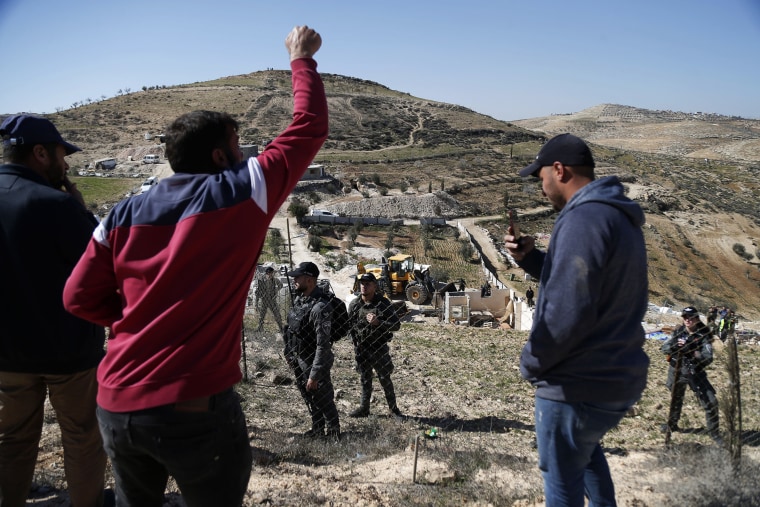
column 692, row 342
column 373, row 320
column 308, row 351
column 267, row 289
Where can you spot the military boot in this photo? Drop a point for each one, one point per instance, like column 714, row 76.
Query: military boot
column 390, row 397
column 363, row 410
column 315, row 432
column 317, row 427
column 333, row 434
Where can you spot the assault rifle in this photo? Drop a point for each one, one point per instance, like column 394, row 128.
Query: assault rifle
column 291, row 358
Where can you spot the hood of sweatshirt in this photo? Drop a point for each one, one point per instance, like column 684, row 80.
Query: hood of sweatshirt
column 610, row 191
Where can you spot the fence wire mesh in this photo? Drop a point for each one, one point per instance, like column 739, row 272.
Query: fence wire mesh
column 733, row 410
column 723, row 402
column 359, row 375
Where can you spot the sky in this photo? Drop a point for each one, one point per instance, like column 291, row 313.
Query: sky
column 509, row 59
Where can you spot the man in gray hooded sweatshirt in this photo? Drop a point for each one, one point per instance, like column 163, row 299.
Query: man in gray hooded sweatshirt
column 584, row 354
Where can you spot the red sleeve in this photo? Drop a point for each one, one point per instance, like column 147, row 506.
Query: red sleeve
column 287, row 157
column 91, row 292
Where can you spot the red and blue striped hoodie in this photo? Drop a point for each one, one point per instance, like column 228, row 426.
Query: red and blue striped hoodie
column 169, row 270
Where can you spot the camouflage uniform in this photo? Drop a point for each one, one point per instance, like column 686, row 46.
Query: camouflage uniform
column 696, row 355
column 267, row 290
column 371, row 348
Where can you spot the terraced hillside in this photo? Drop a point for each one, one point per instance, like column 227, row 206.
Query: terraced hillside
column 695, row 174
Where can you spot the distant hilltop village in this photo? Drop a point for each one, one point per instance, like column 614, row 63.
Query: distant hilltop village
column 634, row 113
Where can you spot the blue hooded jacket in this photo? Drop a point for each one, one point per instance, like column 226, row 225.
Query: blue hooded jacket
column 586, row 341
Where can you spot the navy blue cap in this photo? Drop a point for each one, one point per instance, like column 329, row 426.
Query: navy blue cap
column 30, row 130
column 367, row 277
column 305, row 268
column 565, row 148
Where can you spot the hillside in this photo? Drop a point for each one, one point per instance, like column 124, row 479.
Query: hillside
column 702, row 232
column 696, row 175
column 694, row 135
column 364, row 117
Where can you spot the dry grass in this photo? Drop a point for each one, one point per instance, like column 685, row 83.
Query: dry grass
column 465, row 382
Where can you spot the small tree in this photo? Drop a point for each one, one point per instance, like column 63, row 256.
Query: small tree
column 298, row 209
column 315, row 243
column 427, row 243
column 389, row 240
column 275, row 243
column 466, row 250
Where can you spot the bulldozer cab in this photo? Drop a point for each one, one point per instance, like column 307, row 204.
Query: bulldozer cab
column 401, row 267
column 400, row 276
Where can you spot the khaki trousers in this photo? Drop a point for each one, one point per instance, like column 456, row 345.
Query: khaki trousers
column 22, row 400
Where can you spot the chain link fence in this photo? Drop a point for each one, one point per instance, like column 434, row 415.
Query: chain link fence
column 361, row 362
column 734, row 410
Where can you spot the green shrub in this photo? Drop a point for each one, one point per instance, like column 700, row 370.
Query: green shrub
column 742, row 252
column 298, row 209
column 466, row 250
column 315, row 243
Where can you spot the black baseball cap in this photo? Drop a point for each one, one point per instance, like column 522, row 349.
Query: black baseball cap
column 305, row 268
column 367, row 277
column 689, row 311
column 30, row 130
column 565, row 148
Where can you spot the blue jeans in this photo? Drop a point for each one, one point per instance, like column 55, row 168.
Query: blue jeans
column 207, row 452
column 570, row 456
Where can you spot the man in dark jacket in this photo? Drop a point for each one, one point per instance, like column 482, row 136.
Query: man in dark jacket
column 308, row 351
column 373, row 320
column 691, row 341
column 43, row 348
column 585, row 351
column 529, row 296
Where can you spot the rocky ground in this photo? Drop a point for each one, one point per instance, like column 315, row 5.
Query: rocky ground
column 484, row 416
column 462, row 381
column 484, row 454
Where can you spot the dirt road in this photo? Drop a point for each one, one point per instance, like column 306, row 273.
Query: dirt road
column 483, row 238
column 342, row 281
